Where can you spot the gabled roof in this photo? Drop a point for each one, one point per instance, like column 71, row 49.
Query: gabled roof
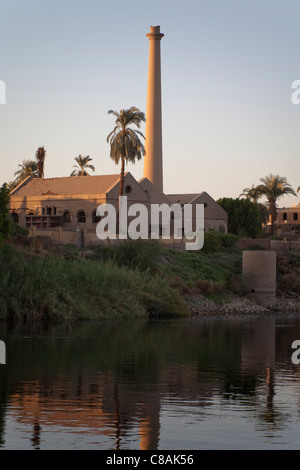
column 213, row 209
column 183, row 198
column 94, row 184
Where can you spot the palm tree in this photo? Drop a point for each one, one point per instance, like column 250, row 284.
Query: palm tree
column 82, row 165
column 253, row 193
column 11, row 185
column 28, row 168
column 125, row 143
column 274, row 187
column 40, row 157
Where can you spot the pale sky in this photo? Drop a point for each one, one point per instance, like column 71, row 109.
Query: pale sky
column 227, row 71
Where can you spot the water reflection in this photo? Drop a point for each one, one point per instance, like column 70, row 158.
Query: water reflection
column 184, row 384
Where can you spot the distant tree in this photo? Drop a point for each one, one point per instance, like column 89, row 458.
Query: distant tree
column 27, row 168
column 253, row 193
column 82, row 165
column 12, row 185
column 5, row 222
column 125, row 143
column 243, row 217
column 273, row 187
column 40, row 157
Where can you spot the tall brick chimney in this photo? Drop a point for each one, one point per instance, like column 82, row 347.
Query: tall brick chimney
column 153, row 165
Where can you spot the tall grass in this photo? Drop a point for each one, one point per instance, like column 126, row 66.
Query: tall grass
column 51, row 287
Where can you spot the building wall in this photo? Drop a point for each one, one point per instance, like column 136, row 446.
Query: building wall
column 290, row 216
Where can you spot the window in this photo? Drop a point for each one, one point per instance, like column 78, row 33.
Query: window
column 128, row 189
column 30, row 213
column 48, row 210
column 284, row 216
column 81, row 217
column 95, row 218
column 295, row 216
column 66, row 217
column 14, row 217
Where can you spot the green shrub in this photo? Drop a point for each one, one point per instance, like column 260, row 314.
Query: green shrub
column 290, row 282
column 134, row 254
column 214, row 241
column 51, row 287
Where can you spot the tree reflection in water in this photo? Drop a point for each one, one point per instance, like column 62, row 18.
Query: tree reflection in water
column 105, row 384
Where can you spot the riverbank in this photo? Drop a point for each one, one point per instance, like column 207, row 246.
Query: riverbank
column 202, row 306
column 41, row 280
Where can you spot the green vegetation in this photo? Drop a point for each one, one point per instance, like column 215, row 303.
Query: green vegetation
column 5, row 222
column 48, row 286
column 244, row 217
column 41, row 281
column 288, row 272
column 82, row 165
column 272, row 187
column 125, row 143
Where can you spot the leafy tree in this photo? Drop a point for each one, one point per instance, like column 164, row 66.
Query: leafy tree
column 82, row 165
column 5, row 222
column 274, row 187
column 253, row 194
column 125, row 143
column 243, row 217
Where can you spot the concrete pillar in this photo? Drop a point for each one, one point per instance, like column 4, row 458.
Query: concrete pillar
column 79, row 238
column 153, row 167
column 259, row 276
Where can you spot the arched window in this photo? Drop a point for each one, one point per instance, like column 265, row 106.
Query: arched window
column 95, row 218
column 295, row 216
column 81, row 217
column 284, row 216
column 30, row 213
column 66, row 217
column 15, row 217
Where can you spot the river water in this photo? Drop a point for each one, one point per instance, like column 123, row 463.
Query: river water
column 210, row 383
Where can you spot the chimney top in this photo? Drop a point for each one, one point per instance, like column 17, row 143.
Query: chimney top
column 155, row 33
column 154, row 29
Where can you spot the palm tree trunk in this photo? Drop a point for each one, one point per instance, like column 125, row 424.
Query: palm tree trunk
column 121, row 189
column 273, row 214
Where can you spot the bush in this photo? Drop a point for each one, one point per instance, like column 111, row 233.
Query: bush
column 49, row 287
column 17, row 230
column 243, row 217
column 290, row 282
column 134, row 254
column 5, row 222
column 214, row 241
column 207, row 288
